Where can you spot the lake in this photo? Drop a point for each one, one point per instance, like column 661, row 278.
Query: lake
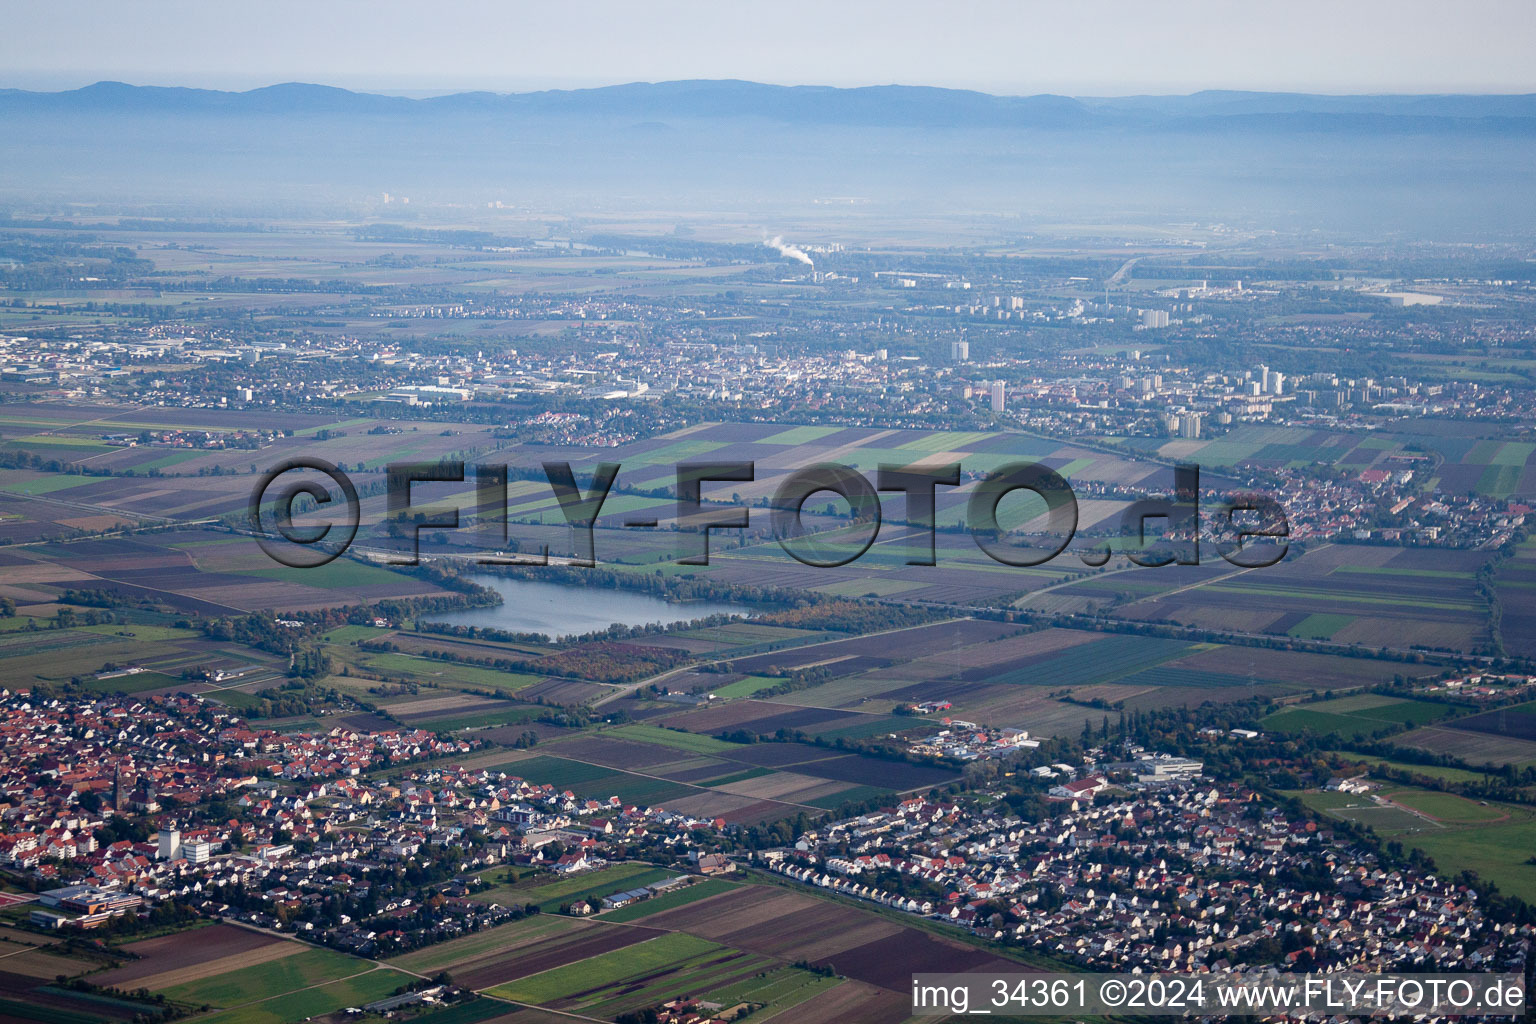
column 558, row 609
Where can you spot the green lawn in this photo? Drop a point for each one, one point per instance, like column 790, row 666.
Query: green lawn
column 1497, row 851
column 1447, row 807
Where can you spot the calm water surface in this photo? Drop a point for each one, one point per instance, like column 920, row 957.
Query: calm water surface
column 559, row 609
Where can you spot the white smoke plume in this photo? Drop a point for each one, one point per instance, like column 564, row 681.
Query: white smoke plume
column 777, row 242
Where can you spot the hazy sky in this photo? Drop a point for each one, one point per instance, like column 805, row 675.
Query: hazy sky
column 1092, row 47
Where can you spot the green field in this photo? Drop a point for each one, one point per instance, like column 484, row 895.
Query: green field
column 342, row 574
column 609, row 970
column 666, row 901
column 130, row 684
column 472, row 1012
column 1320, row 625
column 1446, row 807
column 747, row 687
column 47, row 484
column 377, row 983
column 1452, row 775
column 587, row 885
column 248, row 984
column 11, row 1008
column 448, row 673
column 1362, row 715
column 596, row 782
column 1102, row 661
column 741, row 776
column 347, row 634
column 692, row 742
column 1497, row 851
column 445, row 954
column 513, row 714
column 777, row 990
column 1387, row 821
column 1493, row 840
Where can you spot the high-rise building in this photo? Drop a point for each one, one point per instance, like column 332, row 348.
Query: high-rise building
column 959, row 351
column 999, row 396
column 170, row 844
column 1189, row 425
column 1154, row 318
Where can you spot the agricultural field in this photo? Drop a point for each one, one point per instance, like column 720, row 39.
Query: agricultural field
column 1517, row 722
column 697, row 774
column 196, row 571
column 253, row 981
column 1515, row 586
column 30, row 968
column 446, row 674
column 581, row 985
column 372, row 983
column 729, row 939
column 1487, row 837
column 1363, row 715
column 1005, row 676
column 187, row 957
column 1332, row 592
column 668, row 901
column 1495, row 468
column 1449, row 775
column 1470, row 747
column 471, row 952
column 1499, row 737
column 866, row 947
column 548, row 894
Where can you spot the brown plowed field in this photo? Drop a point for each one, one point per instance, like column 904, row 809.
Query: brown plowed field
column 186, row 949
column 851, row 1001
column 860, row 945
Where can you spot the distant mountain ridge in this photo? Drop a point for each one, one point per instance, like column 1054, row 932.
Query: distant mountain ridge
column 1448, row 166
column 891, row 105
